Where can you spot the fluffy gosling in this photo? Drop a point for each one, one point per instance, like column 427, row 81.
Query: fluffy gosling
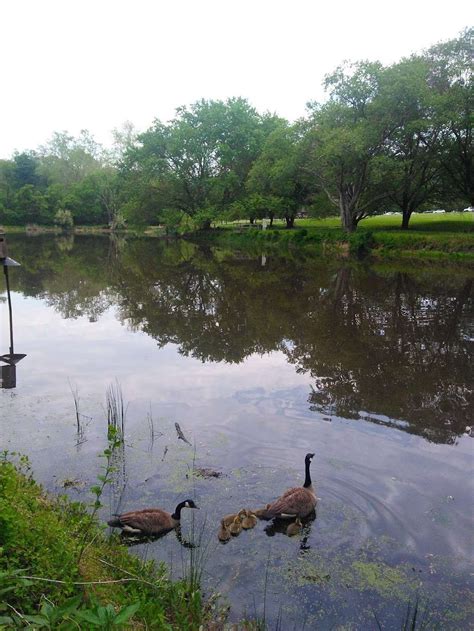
column 228, row 519
column 249, row 520
column 224, row 533
column 236, row 526
column 294, row 528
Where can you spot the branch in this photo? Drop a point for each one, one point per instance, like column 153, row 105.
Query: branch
column 53, row 580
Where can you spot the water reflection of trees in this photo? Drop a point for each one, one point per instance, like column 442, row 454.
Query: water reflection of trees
column 391, row 348
column 383, row 347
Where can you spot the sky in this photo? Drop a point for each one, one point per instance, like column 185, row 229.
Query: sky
column 94, row 64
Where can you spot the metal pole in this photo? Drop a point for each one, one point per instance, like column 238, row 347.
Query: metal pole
column 5, row 269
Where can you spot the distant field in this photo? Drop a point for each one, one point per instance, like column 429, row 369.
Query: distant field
column 448, row 222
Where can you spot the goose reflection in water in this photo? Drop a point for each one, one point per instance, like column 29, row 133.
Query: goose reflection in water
column 280, row 526
column 131, row 540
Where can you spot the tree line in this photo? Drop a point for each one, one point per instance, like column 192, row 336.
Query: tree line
column 388, row 138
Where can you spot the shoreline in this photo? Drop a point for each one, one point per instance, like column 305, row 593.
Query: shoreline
column 431, row 239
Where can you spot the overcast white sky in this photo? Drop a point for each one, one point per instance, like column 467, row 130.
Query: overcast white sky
column 93, row 64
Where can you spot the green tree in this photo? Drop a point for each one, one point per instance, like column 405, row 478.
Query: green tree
column 345, row 137
column 276, row 178
column 410, row 167
column 6, row 191
column 200, row 159
column 31, row 206
column 26, row 170
column 451, row 80
column 66, row 159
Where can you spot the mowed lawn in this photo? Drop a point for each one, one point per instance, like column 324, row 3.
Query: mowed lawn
column 424, row 222
column 430, row 236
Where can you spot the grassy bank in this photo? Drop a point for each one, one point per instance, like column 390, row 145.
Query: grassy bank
column 448, row 237
column 431, row 237
column 58, row 570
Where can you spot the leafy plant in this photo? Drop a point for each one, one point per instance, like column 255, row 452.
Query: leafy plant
column 115, row 440
column 361, row 243
column 64, row 219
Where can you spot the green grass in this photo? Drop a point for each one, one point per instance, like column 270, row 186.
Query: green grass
column 448, row 222
column 41, row 537
column 447, row 237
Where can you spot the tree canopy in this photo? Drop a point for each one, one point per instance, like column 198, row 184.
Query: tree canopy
column 395, row 137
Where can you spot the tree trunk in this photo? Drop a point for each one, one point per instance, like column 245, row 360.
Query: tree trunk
column 406, row 219
column 348, row 221
column 290, row 222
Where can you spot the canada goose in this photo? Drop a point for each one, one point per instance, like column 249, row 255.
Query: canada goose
column 228, row 519
column 294, row 528
column 236, row 526
column 150, row 521
column 260, row 512
column 249, row 520
column 299, row 501
column 224, row 533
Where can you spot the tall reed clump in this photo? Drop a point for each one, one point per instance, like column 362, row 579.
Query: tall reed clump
column 115, row 408
column 414, row 619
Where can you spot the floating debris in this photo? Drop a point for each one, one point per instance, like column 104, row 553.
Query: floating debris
column 181, row 436
column 73, row 483
column 206, row 472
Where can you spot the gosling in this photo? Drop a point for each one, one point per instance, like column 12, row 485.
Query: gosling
column 228, row 519
column 249, row 520
column 294, row 528
column 224, row 533
column 236, row 526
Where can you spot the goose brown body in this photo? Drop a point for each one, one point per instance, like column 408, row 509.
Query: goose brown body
column 298, row 501
column 150, row 521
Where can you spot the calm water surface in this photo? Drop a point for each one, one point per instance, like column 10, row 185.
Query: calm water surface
column 261, row 360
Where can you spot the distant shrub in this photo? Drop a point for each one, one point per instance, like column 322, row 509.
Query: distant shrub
column 64, row 219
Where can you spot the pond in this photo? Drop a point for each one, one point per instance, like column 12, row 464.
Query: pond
column 260, row 360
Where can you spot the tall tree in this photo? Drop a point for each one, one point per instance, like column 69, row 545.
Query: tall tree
column 277, row 174
column 344, row 139
column 410, row 167
column 201, row 158
column 66, row 159
column 451, row 79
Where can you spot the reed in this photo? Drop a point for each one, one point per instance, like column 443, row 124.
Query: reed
column 75, row 395
column 414, row 619
column 115, row 408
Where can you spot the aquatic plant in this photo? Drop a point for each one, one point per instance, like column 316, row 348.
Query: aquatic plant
column 115, row 407
column 414, row 619
column 104, row 478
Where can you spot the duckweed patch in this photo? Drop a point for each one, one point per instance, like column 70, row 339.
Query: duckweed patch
column 345, row 582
